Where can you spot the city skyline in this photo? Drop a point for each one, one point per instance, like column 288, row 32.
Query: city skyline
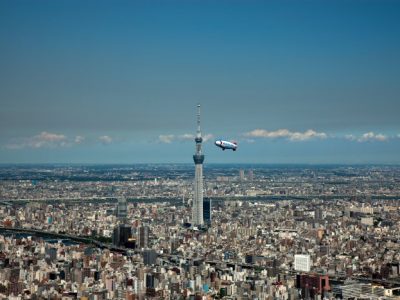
column 293, row 82
column 112, row 232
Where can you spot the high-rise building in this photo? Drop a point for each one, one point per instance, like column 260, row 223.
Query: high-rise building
column 312, row 285
column 198, row 158
column 121, row 234
column 318, row 214
column 149, row 280
column 143, row 236
column 51, row 253
column 302, row 262
column 122, row 210
column 241, row 174
column 207, row 211
column 251, row 175
column 149, row 257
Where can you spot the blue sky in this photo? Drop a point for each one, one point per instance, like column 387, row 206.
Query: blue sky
column 118, row 81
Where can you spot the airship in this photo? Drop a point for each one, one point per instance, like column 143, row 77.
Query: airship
column 226, row 145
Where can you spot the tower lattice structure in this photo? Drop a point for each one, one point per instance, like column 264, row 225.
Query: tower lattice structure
column 198, row 158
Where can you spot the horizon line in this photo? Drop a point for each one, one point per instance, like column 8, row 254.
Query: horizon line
column 211, row 163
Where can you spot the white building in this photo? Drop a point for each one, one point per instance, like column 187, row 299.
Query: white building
column 302, row 262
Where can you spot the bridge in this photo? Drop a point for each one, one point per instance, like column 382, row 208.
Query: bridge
column 62, row 236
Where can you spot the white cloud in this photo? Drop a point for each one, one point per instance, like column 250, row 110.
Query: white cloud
column 43, row 140
column 79, row 139
column 169, row 138
column 51, row 137
column 309, row 134
column 186, row 136
column 367, row 137
column 371, row 136
column 105, row 139
column 208, row 137
column 350, row 137
column 285, row 133
column 268, row 134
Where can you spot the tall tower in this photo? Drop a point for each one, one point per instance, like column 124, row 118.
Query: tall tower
column 122, row 211
column 122, row 232
column 197, row 209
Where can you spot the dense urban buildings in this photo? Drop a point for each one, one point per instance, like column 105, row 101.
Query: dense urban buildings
column 102, row 196
column 278, row 232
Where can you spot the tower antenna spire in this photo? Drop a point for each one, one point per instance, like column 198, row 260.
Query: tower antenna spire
column 198, row 121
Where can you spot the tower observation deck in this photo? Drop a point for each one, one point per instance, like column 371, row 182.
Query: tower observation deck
column 198, row 158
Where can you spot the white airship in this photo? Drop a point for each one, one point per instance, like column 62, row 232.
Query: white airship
column 226, row 145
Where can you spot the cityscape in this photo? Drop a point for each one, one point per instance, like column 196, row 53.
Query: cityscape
column 268, row 232
column 199, row 150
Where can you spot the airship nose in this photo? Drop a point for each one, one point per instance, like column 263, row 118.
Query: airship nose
column 218, row 143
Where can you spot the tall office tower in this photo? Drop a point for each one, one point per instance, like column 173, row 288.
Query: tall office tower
column 197, row 208
column 318, row 214
column 122, row 210
column 121, row 234
column 302, row 262
column 51, row 253
column 241, row 174
column 207, row 211
column 143, row 236
column 149, row 257
column 251, row 175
